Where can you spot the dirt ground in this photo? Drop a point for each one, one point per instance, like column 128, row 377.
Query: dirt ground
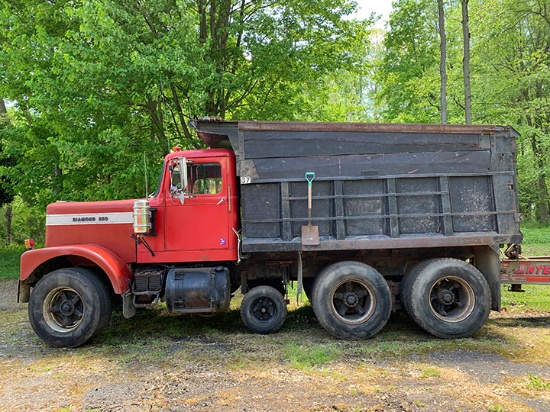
column 213, row 370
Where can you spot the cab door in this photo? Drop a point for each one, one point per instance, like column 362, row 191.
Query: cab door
column 200, row 216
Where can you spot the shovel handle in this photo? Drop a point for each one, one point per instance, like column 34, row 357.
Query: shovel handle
column 309, row 197
column 309, row 177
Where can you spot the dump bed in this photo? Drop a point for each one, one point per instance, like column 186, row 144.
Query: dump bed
column 376, row 186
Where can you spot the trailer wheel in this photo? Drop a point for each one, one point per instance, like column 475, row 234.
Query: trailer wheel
column 351, row 300
column 69, row 306
column 263, row 310
column 448, row 298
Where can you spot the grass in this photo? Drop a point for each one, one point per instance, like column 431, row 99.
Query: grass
column 533, row 298
column 301, row 357
column 9, row 262
column 538, row 383
column 536, row 240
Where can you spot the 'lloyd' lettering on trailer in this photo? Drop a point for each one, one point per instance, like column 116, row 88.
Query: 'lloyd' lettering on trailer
column 112, row 218
column 533, row 270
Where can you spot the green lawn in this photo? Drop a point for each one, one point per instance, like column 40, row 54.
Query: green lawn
column 536, row 240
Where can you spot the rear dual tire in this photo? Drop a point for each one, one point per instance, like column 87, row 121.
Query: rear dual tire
column 448, row 298
column 351, row 300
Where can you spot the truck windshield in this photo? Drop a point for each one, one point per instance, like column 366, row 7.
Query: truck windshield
column 157, row 190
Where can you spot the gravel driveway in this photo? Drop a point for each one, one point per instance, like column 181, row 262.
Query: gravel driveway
column 207, row 369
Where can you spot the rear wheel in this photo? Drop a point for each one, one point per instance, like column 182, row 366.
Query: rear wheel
column 448, row 298
column 69, row 306
column 351, row 300
column 407, row 283
column 263, row 310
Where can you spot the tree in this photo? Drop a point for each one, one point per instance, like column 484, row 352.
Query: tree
column 514, row 55
column 408, row 70
column 97, row 82
column 466, row 62
column 6, row 190
column 442, row 61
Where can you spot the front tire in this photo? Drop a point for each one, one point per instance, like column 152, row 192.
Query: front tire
column 263, row 310
column 351, row 300
column 69, row 306
column 448, row 298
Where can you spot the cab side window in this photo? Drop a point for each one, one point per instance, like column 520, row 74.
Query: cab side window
column 205, row 178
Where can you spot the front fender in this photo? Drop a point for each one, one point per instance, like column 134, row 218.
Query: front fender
column 114, row 267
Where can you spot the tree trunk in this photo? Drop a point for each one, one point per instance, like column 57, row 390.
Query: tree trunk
column 542, row 201
column 466, row 62
column 3, row 109
column 443, row 62
column 8, row 215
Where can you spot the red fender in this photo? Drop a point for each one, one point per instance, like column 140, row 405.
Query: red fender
column 116, row 269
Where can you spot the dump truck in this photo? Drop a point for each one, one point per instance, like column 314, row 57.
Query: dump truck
column 365, row 218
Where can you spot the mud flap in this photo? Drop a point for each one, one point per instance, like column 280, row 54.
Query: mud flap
column 128, row 308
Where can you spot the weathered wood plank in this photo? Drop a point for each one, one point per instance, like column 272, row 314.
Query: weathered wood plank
column 268, row 144
column 385, row 165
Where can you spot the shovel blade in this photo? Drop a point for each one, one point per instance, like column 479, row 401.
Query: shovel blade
column 310, row 235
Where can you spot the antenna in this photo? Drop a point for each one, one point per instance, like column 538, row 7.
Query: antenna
column 146, row 181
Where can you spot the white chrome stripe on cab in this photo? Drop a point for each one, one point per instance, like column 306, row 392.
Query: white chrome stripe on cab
column 116, row 218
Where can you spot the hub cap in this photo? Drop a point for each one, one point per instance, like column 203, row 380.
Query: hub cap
column 353, row 302
column 63, row 309
column 452, row 299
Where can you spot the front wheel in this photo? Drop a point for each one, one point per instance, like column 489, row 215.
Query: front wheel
column 68, row 307
column 263, row 310
column 351, row 300
column 448, row 298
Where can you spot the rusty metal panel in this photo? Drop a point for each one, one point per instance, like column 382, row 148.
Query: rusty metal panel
column 419, row 205
column 261, row 217
column 363, row 166
column 365, row 206
column 472, row 204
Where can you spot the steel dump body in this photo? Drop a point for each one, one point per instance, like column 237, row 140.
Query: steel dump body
column 377, row 186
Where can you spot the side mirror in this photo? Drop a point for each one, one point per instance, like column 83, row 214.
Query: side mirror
column 178, row 179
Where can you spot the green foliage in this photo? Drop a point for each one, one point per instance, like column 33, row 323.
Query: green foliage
column 407, row 72
column 9, row 262
column 104, row 89
column 27, row 223
column 509, row 76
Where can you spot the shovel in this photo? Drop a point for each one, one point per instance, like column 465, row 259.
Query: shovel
column 310, row 234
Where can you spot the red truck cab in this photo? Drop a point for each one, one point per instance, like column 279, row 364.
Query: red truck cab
column 195, row 221
column 192, row 220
